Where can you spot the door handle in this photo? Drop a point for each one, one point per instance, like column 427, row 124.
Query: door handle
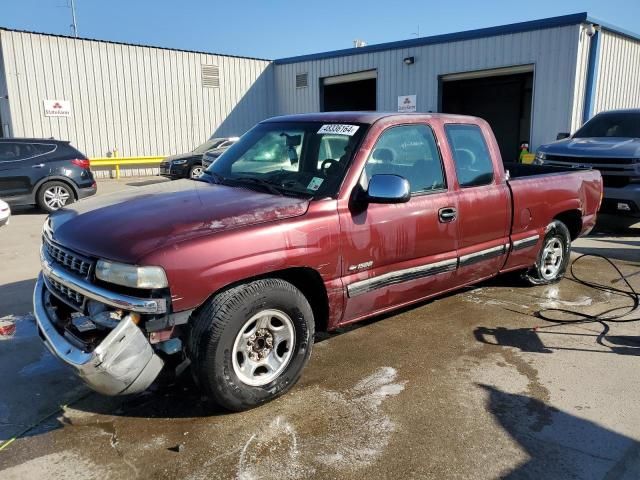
column 40, row 165
column 447, row 214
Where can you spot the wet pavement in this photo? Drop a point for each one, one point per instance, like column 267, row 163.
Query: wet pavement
column 490, row 382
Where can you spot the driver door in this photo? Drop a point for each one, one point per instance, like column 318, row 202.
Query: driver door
column 394, row 254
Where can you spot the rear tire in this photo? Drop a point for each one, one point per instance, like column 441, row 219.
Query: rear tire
column 553, row 257
column 54, row 195
column 249, row 344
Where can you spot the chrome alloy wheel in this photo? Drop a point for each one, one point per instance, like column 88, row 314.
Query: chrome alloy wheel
column 196, row 172
column 552, row 257
column 56, row 197
column 263, row 347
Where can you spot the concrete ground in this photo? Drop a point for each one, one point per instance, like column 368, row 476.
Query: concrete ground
column 485, row 383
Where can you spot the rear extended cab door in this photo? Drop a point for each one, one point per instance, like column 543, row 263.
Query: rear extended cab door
column 482, row 196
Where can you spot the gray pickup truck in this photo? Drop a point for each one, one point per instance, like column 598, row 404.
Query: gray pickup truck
column 609, row 142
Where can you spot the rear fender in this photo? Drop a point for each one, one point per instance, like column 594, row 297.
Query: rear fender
column 54, row 178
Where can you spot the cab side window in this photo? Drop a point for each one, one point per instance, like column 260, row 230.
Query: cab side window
column 470, row 155
column 411, row 152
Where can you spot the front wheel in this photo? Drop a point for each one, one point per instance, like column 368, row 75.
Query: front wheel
column 554, row 256
column 196, row 171
column 249, row 344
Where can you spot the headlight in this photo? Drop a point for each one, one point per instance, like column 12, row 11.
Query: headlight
column 179, row 162
column 131, row 275
column 540, row 158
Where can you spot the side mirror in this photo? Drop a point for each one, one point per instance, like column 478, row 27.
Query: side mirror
column 563, row 135
column 388, row 189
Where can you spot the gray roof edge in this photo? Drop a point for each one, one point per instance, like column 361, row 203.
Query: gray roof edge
column 7, row 29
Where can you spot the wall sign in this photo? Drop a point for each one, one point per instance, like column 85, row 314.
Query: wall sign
column 406, row 103
column 57, row 108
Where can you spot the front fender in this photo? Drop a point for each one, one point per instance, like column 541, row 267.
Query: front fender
column 196, row 269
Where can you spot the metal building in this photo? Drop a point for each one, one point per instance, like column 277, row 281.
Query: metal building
column 530, row 80
column 135, row 99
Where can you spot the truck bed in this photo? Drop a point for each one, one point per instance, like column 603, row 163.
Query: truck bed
column 537, row 191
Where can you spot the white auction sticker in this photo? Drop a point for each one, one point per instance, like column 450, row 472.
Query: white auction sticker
column 339, row 129
column 315, row 183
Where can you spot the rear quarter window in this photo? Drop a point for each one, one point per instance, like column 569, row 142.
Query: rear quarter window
column 43, row 148
column 65, row 151
column 470, row 155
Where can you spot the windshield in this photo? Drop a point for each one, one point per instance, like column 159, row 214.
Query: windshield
column 208, row 145
column 212, row 143
column 614, row 124
column 298, row 158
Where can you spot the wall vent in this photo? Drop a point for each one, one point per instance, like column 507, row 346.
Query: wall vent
column 302, row 80
column 210, row 76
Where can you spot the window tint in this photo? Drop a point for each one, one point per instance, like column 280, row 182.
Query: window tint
column 11, row 152
column 611, row 124
column 470, row 154
column 42, row 148
column 411, row 152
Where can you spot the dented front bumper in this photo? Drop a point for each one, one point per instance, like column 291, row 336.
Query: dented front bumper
column 123, row 363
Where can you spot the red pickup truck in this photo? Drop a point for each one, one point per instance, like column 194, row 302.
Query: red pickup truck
column 308, row 223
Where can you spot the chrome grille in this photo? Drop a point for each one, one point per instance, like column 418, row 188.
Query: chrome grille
column 69, row 260
column 75, row 298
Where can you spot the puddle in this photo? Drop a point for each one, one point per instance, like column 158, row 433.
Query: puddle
column 353, row 434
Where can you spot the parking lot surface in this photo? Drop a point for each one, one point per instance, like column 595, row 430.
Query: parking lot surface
column 490, row 382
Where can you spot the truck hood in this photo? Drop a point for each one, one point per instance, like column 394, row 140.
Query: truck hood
column 595, row 147
column 125, row 226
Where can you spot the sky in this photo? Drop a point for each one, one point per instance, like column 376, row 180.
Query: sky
column 276, row 28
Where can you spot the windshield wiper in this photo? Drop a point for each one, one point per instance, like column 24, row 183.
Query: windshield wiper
column 268, row 186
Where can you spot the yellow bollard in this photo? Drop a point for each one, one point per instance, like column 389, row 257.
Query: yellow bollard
column 115, row 154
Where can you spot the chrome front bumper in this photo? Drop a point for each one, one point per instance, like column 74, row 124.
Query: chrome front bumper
column 123, row 363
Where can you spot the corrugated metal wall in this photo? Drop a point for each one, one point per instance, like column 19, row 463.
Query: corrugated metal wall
column 582, row 65
column 140, row 100
column 618, row 82
column 5, row 113
column 553, row 51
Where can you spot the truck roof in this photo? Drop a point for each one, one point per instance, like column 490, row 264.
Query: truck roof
column 360, row 117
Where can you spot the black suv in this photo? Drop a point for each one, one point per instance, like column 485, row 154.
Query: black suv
column 47, row 172
column 189, row 165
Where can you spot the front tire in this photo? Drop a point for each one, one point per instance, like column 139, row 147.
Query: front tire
column 54, row 195
column 196, row 171
column 553, row 257
column 249, row 344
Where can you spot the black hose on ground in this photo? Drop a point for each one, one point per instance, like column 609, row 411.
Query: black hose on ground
column 614, row 315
